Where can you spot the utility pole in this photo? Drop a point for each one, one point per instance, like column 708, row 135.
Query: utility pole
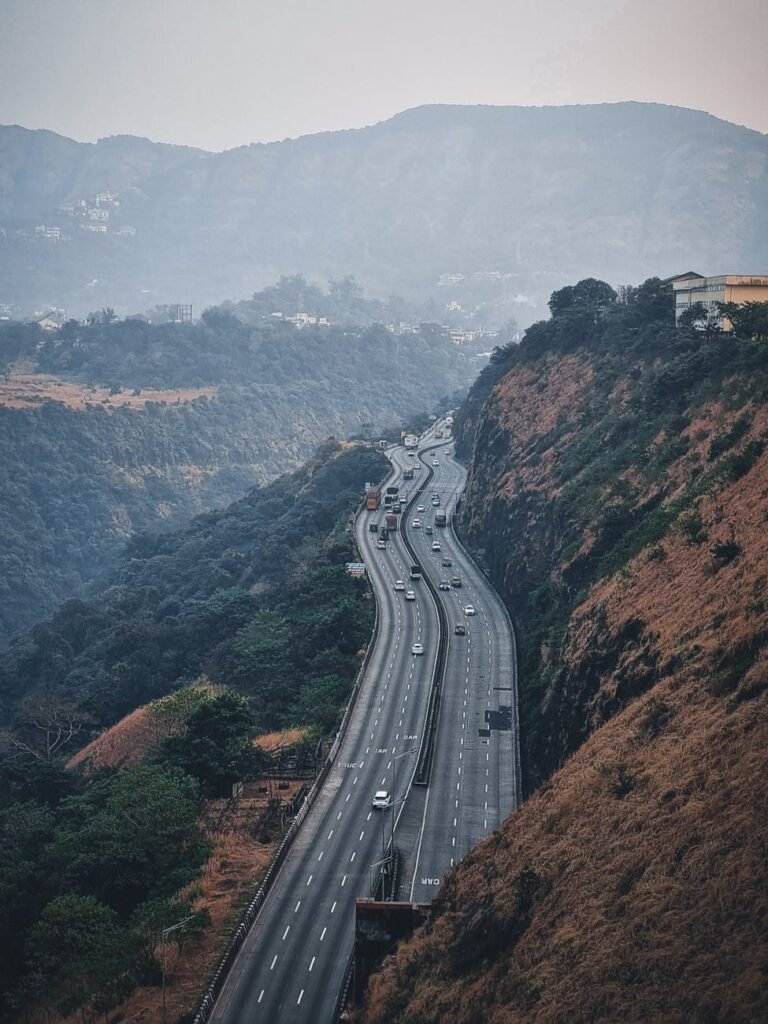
column 165, row 933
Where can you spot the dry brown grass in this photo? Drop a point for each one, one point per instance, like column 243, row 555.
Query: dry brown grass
column 651, row 843
column 124, row 745
column 26, row 390
column 273, row 741
column 655, row 906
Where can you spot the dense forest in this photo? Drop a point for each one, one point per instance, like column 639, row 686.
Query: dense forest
column 253, row 596
column 244, row 621
column 78, row 482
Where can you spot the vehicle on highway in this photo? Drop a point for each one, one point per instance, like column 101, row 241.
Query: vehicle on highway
column 381, row 799
column 428, row 530
column 381, row 545
column 435, row 545
column 373, row 527
column 417, row 468
column 460, row 629
column 399, row 585
column 446, row 563
column 417, row 649
column 469, row 609
column 455, row 581
column 440, row 517
column 435, row 462
column 435, row 501
column 415, row 571
column 411, row 455
column 420, row 508
column 444, row 585
column 417, row 524
column 410, row 596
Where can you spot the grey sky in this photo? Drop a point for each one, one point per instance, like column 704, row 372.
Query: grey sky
column 220, row 73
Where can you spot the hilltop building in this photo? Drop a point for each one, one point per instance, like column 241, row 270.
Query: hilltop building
column 690, row 288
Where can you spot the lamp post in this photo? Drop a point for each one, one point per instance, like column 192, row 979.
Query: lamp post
column 164, row 933
column 395, row 801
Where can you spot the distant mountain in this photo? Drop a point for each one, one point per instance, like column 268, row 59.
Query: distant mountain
column 543, row 195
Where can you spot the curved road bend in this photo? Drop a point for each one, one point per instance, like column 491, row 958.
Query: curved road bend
column 291, row 966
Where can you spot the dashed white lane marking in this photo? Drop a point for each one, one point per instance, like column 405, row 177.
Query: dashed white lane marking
column 312, row 962
column 261, row 996
column 301, row 996
column 322, row 934
column 286, row 932
column 320, row 855
column 309, row 880
column 344, row 881
column 296, row 908
column 361, row 836
column 330, row 833
column 272, row 965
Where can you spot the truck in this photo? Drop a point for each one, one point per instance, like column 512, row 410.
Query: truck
column 439, row 432
column 408, row 474
column 415, row 572
column 441, row 518
column 391, row 520
column 411, row 441
column 392, row 490
column 373, row 498
column 384, row 533
column 388, row 499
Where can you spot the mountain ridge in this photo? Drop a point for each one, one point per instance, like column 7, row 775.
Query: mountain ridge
column 538, row 195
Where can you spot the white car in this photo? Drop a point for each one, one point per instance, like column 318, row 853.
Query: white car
column 410, row 596
column 421, row 509
column 435, row 545
column 417, row 649
column 399, row 585
column 381, row 799
column 417, row 524
column 381, row 545
column 469, row 609
column 435, row 462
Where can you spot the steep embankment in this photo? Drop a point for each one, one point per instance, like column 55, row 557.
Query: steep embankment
column 618, row 494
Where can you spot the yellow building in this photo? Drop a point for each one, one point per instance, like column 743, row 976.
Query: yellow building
column 740, row 288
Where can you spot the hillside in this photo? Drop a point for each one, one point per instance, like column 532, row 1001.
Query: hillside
column 539, row 194
column 617, row 492
column 134, row 427
column 253, row 596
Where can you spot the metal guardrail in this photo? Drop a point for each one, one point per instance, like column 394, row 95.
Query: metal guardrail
column 225, row 964
column 426, row 750
column 513, row 634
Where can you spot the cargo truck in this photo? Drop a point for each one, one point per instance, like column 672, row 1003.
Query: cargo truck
column 415, row 571
column 411, row 441
column 440, row 518
column 408, row 474
column 392, row 490
column 373, row 498
column 391, row 520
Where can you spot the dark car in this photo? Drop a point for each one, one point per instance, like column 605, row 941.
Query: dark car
column 460, row 629
column 444, row 585
column 446, row 563
column 455, row 581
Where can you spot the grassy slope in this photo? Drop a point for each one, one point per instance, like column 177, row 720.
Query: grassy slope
column 634, row 554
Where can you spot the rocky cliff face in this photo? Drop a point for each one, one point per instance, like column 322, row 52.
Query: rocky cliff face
column 617, row 495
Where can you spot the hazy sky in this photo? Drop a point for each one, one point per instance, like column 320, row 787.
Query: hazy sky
column 220, row 73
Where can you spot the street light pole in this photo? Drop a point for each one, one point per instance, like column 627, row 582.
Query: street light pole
column 165, row 932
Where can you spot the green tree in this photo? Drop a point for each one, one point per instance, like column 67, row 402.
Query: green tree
column 217, row 747
column 80, row 957
column 749, row 319
column 131, row 836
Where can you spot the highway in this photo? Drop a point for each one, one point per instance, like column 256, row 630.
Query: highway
column 475, row 781
column 294, row 959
